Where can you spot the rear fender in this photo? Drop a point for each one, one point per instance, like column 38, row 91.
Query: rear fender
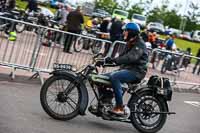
column 153, row 91
column 83, row 89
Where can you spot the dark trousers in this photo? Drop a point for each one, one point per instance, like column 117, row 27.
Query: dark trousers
column 69, row 39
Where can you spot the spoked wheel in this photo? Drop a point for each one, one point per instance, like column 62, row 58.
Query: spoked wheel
column 145, row 120
column 78, row 45
column 60, row 97
column 96, row 47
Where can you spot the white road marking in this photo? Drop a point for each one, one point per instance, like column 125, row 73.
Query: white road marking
column 194, row 103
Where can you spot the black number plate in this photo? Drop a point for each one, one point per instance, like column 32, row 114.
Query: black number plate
column 57, row 66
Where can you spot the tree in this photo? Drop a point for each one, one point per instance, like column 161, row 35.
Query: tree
column 136, row 8
column 125, row 4
column 107, row 5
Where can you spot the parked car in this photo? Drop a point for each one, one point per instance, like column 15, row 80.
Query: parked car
column 101, row 13
column 156, row 27
column 172, row 31
column 185, row 36
column 139, row 19
column 120, row 14
column 196, row 36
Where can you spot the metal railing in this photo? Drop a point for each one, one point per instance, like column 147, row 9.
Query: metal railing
column 38, row 47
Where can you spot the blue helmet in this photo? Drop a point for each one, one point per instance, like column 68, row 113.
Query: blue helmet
column 132, row 26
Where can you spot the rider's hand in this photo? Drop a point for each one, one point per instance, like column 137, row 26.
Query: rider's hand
column 109, row 60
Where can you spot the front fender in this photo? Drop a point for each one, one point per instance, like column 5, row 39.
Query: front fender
column 83, row 89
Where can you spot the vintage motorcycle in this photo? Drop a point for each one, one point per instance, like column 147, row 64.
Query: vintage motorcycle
column 65, row 95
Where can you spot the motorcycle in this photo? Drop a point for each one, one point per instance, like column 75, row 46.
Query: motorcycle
column 171, row 63
column 7, row 25
column 87, row 43
column 64, row 96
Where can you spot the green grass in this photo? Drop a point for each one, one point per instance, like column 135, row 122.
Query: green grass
column 21, row 4
column 184, row 44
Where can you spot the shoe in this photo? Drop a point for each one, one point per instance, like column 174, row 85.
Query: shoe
column 118, row 110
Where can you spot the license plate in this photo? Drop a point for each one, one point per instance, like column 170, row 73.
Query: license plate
column 57, row 66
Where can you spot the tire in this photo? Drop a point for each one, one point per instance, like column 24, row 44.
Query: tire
column 20, row 27
column 164, row 67
column 137, row 103
column 78, row 45
column 47, row 107
column 96, row 47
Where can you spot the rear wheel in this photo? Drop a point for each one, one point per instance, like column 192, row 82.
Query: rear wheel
column 147, row 122
column 60, row 97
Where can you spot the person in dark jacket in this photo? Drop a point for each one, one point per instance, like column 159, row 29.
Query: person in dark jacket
column 2, row 5
column 133, row 64
column 32, row 5
column 197, row 63
column 74, row 21
column 116, row 34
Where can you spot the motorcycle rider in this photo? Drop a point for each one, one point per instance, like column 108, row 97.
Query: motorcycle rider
column 133, row 64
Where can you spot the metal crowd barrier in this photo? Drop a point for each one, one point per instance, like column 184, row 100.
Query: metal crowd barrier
column 37, row 49
column 184, row 76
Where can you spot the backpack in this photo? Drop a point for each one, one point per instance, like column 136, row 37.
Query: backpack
column 161, row 85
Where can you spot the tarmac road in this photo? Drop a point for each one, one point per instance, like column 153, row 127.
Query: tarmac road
column 21, row 112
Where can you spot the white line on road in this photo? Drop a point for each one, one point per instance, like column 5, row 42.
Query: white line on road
column 194, row 103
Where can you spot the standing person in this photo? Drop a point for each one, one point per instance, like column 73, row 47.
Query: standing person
column 74, row 21
column 2, row 5
column 32, row 6
column 104, row 28
column 116, row 34
column 152, row 40
column 197, row 63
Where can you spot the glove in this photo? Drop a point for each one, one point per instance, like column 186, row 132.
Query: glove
column 109, row 60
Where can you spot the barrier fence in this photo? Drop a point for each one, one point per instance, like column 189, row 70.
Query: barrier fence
column 38, row 47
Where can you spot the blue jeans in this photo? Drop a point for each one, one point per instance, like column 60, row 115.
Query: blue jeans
column 118, row 77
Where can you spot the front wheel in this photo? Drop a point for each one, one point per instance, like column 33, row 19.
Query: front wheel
column 142, row 107
column 79, row 44
column 60, row 97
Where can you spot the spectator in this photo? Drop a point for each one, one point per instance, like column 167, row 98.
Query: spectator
column 116, row 34
column 32, row 5
column 152, row 39
column 170, row 45
column 11, row 5
column 61, row 14
column 144, row 35
column 74, row 21
column 197, row 63
column 2, row 5
column 104, row 25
